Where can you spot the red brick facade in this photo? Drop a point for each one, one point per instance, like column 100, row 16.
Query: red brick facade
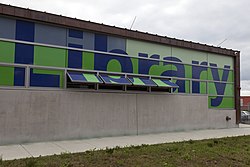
column 245, row 102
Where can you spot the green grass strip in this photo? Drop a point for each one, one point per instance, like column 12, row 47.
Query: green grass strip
column 233, row 151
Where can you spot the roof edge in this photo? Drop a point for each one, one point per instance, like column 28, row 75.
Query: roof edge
column 39, row 16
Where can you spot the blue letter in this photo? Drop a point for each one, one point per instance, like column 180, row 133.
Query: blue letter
column 180, row 72
column 220, row 87
column 101, row 60
column 196, row 72
column 144, row 64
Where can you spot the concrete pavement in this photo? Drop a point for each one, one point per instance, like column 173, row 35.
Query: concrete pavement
column 18, row 151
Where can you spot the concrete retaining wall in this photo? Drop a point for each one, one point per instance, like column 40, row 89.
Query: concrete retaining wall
column 33, row 115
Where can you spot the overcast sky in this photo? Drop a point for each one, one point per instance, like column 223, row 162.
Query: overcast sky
column 204, row 21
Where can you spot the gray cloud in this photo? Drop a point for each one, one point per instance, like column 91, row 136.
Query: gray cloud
column 204, row 21
column 245, row 87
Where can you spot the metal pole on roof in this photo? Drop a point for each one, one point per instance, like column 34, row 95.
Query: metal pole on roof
column 132, row 23
column 221, row 42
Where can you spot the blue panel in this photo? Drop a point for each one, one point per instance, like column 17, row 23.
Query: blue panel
column 116, row 43
column 75, row 46
column 196, row 70
column 195, row 87
column 74, row 57
column 220, row 88
column 75, row 77
column 120, row 80
column 25, row 31
column 7, row 28
column 50, row 35
column 101, row 42
column 75, row 34
column 79, row 77
column 100, row 62
column 181, row 85
column 24, row 54
column 146, row 81
column 19, row 76
column 44, row 80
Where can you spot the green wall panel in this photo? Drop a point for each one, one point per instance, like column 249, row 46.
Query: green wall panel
column 7, row 52
column 133, row 48
column 187, row 55
column 227, row 103
column 204, row 75
column 88, row 60
column 188, row 71
column 46, row 56
column 6, row 76
column 135, row 65
column 159, row 69
column 114, row 66
column 7, row 55
column 220, row 60
column 203, row 88
column 212, row 88
column 209, row 74
column 230, row 76
column 187, row 86
column 229, row 90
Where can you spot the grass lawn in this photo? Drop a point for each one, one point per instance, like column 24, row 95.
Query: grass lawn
column 233, row 151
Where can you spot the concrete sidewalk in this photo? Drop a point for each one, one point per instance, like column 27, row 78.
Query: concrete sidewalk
column 57, row 147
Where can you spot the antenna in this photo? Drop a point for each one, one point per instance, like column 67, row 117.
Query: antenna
column 221, row 42
column 132, row 23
